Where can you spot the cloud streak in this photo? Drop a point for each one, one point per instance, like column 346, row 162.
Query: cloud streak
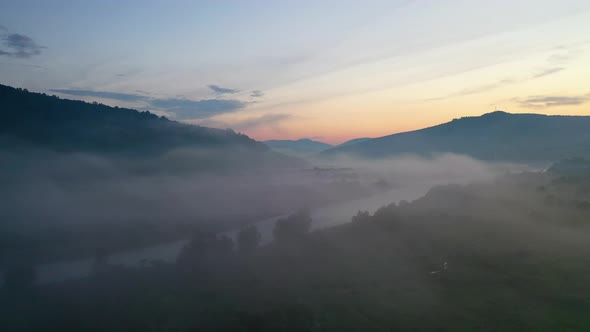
column 555, row 64
column 198, row 109
column 248, row 124
column 264, row 120
column 102, row 94
column 499, row 84
column 182, row 108
column 256, row 94
column 553, row 101
column 219, row 90
column 19, row 46
column 547, row 72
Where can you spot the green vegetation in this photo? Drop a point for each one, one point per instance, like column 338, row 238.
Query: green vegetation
column 79, row 179
column 293, row 228
column 248, row 239
column 487, row 257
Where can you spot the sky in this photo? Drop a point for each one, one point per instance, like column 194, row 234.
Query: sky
column 327, row 70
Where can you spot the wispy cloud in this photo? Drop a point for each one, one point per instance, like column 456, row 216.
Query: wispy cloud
column 19, row 46
column 500, row 83
column 247, row 124
column 219, row 90
column 256, row 94
column 182, row 108
column 564, row 54
column 559, row 58
column 198, row 109
column 264, row 120
column 552, row 101
column 475, row 90
column 102, row 94
column 547, row 72
column 555, row 63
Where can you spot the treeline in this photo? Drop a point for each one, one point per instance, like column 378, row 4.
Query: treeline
column 462, row 258
column 202, row 246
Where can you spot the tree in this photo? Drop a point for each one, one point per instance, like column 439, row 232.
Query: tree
column 224, row 245
column 361, row 216
column 205, row 246
column 294, row 227
column 248, row 239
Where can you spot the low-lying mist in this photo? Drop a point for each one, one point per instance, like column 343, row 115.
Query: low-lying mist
column 408, row 238
column 57, row 200
column 79, row 188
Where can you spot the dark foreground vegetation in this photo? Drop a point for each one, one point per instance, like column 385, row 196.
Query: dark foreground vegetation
column 506, row 255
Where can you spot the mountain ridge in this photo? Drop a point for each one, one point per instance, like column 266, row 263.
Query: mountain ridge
column 492, row 136
column 40, row 120
column 42, row 125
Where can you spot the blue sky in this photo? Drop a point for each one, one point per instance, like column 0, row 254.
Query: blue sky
column 291, row 69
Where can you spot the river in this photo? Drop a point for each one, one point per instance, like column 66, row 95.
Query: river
column 323, row 217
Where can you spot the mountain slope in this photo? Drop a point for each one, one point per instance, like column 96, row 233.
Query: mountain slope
column 135, row 141
column 302, row 147
column 354, row 141
column 42, row 121
column 493, row 136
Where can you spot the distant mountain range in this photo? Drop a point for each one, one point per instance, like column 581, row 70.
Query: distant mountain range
column 302, row 147
column 306, row 147
column 493, row 136
column 39, row 121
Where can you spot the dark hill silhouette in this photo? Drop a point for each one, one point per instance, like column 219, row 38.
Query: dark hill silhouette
column 41, row 121
column 493, row 136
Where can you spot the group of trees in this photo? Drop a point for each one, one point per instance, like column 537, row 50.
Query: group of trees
column 374, row 274
column 204, row 245
column 248, row 239
column 203, row 248
column 361, row 216
column 294, row 227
